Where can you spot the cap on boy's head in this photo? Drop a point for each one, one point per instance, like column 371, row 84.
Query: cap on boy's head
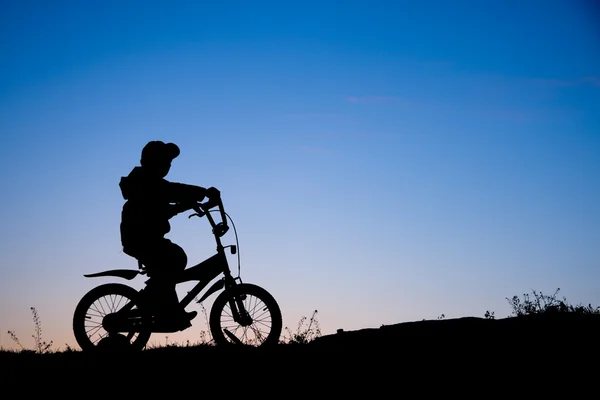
column 159, row 151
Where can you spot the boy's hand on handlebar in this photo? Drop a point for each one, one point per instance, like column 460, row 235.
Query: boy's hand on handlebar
column 213, row 193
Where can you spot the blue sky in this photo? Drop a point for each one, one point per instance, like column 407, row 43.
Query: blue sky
column 383, row 161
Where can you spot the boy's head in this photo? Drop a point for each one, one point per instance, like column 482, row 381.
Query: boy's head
column 157, row 157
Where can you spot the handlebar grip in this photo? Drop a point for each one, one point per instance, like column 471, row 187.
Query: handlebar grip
column 202, row 209
column 213, row 193
column 207, row 205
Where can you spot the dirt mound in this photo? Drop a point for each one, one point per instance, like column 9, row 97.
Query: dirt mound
column 514, row 332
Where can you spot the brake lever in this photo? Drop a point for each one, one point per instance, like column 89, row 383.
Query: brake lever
column 199, row 212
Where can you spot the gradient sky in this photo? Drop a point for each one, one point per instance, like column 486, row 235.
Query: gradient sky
column 383, row 161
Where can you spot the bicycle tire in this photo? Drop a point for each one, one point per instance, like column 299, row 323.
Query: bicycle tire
column 267, row 322
column 91, row 309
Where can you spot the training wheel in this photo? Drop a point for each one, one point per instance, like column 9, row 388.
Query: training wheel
column 114, row 343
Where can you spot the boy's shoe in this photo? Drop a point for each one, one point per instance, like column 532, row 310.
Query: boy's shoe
column 182, row 319
column 190, row 315
column 178, row 319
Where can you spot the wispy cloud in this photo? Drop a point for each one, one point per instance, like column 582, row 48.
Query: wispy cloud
column 373, row 99
column 586, row 80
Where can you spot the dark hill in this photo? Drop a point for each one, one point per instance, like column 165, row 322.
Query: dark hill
column 550, row 344
column 523, row 331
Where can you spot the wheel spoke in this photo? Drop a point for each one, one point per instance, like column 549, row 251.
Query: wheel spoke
column 101, row 301
column 262, row 327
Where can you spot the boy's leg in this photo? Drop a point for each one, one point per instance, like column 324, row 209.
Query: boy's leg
column 164, row 262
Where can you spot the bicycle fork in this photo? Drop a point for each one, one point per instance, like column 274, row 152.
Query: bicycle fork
column 238, row 309
column 240, row 315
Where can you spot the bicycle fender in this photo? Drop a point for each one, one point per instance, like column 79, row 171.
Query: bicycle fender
column 218, row 285
column 121, row 273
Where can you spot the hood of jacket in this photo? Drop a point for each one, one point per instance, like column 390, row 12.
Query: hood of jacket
column 138, row 184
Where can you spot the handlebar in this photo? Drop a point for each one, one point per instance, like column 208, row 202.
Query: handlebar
column 203, row 209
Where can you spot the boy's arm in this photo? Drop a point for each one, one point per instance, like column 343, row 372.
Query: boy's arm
column 184, row 193
column 175, row 209
column 186, row 196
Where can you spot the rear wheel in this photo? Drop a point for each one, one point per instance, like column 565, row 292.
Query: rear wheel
column 88, row 327
column 262, row 325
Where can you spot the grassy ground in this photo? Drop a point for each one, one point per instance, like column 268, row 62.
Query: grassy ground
column 521, row 357
column 543, row 345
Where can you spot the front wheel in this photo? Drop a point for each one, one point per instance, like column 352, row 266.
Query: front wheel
column 89, row 324
column 245, row 314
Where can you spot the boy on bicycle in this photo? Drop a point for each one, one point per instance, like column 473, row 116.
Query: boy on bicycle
column 151, row 201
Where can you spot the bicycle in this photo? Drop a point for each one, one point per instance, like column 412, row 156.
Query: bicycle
column 117, row 316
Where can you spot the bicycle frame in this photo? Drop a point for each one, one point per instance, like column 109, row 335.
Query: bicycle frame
column 240, row 314
column 204, row 273
column 209, row 269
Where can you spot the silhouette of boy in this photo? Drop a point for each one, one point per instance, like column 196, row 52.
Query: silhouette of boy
column 151, row 201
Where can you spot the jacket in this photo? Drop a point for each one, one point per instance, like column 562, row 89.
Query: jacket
column 149, row 206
